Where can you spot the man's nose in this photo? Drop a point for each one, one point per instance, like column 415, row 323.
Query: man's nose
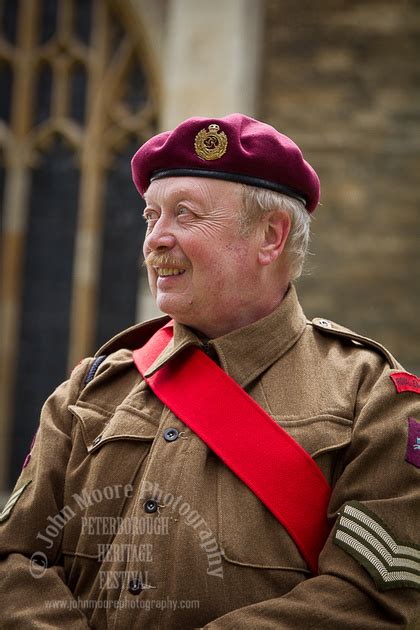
column 161, row 235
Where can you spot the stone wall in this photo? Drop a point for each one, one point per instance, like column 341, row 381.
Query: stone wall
column 342, row 78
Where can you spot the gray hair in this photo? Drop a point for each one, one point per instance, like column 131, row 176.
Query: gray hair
column 260, row 201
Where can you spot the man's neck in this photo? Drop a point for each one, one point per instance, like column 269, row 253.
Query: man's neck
column 242, row 318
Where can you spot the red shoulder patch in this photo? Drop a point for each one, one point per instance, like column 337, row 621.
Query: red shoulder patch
column 406, row 382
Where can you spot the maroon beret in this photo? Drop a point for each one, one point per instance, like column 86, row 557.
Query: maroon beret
column 235, row 148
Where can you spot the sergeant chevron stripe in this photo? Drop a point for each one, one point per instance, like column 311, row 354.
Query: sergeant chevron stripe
column 391, row 563
column 11, row 502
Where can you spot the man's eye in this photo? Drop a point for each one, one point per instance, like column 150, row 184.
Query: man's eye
column 182, row 210
column 149, row 217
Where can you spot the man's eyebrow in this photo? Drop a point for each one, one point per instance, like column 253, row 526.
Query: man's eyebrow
column 181, row 194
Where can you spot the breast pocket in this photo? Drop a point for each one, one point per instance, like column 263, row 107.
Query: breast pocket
column 107, row 459
column 249, row 535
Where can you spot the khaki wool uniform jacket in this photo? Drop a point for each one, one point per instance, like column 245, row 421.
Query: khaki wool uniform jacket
column 144, row 527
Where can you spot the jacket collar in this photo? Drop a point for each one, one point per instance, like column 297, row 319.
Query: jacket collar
column 247, row 352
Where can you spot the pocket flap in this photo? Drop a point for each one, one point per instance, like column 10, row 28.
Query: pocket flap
column 319, row 434
column 100, row 427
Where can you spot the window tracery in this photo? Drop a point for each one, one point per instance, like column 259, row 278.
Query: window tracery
column 75, row 81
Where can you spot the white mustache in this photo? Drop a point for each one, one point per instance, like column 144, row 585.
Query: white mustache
column 163, row 260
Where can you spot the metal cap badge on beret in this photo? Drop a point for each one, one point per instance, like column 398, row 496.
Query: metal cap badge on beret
column 235, row 148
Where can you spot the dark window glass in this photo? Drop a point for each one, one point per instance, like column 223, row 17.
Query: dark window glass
column 48, row 19
column 136, row 86
column 44, row 88
column 78, row 93
column 116, row 34
column 9, row 19
column 48, row 266
column 1, row 191
column 83, row 19
column 121, row 253
column 6, row 79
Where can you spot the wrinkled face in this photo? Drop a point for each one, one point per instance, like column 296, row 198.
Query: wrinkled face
column 201, row 271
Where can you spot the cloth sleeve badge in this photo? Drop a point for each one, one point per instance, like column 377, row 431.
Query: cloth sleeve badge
column 13, row 499
column 390, row 562
column 406, row 382
column 412, row 454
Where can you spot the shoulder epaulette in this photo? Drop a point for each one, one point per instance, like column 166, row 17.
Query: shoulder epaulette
column 329, row 327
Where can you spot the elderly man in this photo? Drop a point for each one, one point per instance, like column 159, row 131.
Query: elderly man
column 233, row 465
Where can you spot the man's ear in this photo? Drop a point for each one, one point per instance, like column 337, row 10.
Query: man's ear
column 275, row 230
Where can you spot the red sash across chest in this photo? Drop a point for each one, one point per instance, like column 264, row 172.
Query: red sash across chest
column 262, row 454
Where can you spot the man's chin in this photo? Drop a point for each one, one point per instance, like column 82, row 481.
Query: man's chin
column 172, row 306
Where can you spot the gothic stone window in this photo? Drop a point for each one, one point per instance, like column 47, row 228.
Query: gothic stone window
column 77, row 97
